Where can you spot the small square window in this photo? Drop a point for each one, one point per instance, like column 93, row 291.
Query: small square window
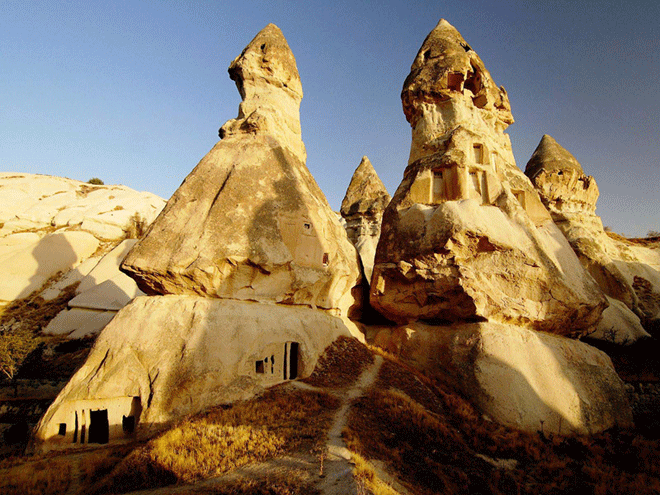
column 307, row 226
column 62, row 430
column 259, row 365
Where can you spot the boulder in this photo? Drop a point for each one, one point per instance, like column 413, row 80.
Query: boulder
column 250, row 222
column 190, row 353
column 533, row 381
column 362, row 209
column 465, row 236
column 625, row 271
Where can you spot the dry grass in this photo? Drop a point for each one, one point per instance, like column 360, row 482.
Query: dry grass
column 341, row 364
column 635, row 241
column 47, row 477
column 223, row 439
column 290, row 482
column 367, row 479
column 433, row 449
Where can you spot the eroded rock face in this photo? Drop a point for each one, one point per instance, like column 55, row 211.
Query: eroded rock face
column 466, row 236
column 190, row 353
column 624, row 271
column 529, row 380
column 362, row 209
column 250, row 222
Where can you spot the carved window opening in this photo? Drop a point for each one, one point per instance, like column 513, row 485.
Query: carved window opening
column 259, row 367
column 326, row 259
column 75, row 429
column 478, row 152
column 475, row 181
column 480, row 101
column 307, row 227
column 438, row 191
column 473, row 81
column 62, row 429
column 493, row 160
column 560, row 173
column 455, row 81
column 99, row 426
column 83, row 430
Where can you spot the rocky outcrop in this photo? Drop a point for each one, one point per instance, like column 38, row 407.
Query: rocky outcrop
column 465, row 236
column 529, row 380
column 250, row 222
column 190, row 353
column 624, row 271
column 101, row 293
column 362, row 210
column 52, row 230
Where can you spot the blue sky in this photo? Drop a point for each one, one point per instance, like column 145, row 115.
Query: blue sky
column 134, row 92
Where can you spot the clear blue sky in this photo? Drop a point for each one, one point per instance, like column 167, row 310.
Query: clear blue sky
column 134, row 92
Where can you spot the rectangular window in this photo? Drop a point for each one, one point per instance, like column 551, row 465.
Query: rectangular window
column 62, row 430
column 478, row 153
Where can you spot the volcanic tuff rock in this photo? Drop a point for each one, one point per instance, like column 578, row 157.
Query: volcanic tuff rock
column 250, row 222
column 190, row 353
column 362, row 209
column 51, row 225
column 465, row 236
column 624, row 271
column 518, row 377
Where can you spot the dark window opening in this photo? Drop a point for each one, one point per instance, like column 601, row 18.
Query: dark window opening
column 62, row 430
column 99, row 427
column 455, row 81
column 473, row 81
column 272, row 365
column 480, row 101
column 259, row 365
column 263, row 48
column 427, row 54
column 293, row 360
column 286, row 360
column 75, row 429
column 307, row 226
column 128, row 424
column 83, row 428
column 560, row 173
column 326, row 259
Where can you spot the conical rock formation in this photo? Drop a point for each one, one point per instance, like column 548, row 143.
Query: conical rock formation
column 362, row 209
column 250, row 222
column 625, row 272
column 465, row 236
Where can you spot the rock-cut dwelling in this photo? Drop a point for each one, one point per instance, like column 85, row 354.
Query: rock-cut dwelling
column 249, row 276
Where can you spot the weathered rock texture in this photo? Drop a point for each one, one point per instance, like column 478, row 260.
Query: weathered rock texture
column 362, row 209
column 101, row 293
column 51, row 226
column 465, row 236
column 518, row 377
column 250, row 222
column 624, row 271
column 164, row 357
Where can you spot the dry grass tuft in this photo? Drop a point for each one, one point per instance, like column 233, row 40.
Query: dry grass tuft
column 341, row 364
column 432, row 445
column 223, row 439
column 366, row 478
column 39, row 478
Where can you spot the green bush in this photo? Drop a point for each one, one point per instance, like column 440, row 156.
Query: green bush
column 95, row 181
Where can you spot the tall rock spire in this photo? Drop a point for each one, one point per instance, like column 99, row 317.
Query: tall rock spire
column 250, row 222
column 466, row 236
column 362, row 209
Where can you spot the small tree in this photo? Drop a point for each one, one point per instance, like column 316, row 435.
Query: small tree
column 95, row 181
column 15, row 346
column 653, row 233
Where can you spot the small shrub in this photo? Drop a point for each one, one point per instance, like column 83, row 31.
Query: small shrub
column 95, row 181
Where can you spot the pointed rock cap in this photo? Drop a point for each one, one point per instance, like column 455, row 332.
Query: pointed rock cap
column 267, row 58
column 366, row 193
column 267, row 79
column 551, row 156
column 446, row 66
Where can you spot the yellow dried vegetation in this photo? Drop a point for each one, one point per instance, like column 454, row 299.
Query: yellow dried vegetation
column 435, row 441
column 47, row 477
column 280, row 421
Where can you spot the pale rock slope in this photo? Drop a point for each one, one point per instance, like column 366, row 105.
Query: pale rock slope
column 465, row 235
column 466, row 239
column 362, row 210
column 55, row 230
column 250, row 276
column 250, row 222
column 627, row 273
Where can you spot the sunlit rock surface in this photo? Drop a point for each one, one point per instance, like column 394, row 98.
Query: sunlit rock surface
column 250, row 222
column 362, row 209
column 465, row 236
column 529, row 380
column 163, row 357
column 624, row 271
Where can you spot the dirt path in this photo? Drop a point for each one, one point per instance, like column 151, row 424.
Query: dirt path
column 338, row 469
